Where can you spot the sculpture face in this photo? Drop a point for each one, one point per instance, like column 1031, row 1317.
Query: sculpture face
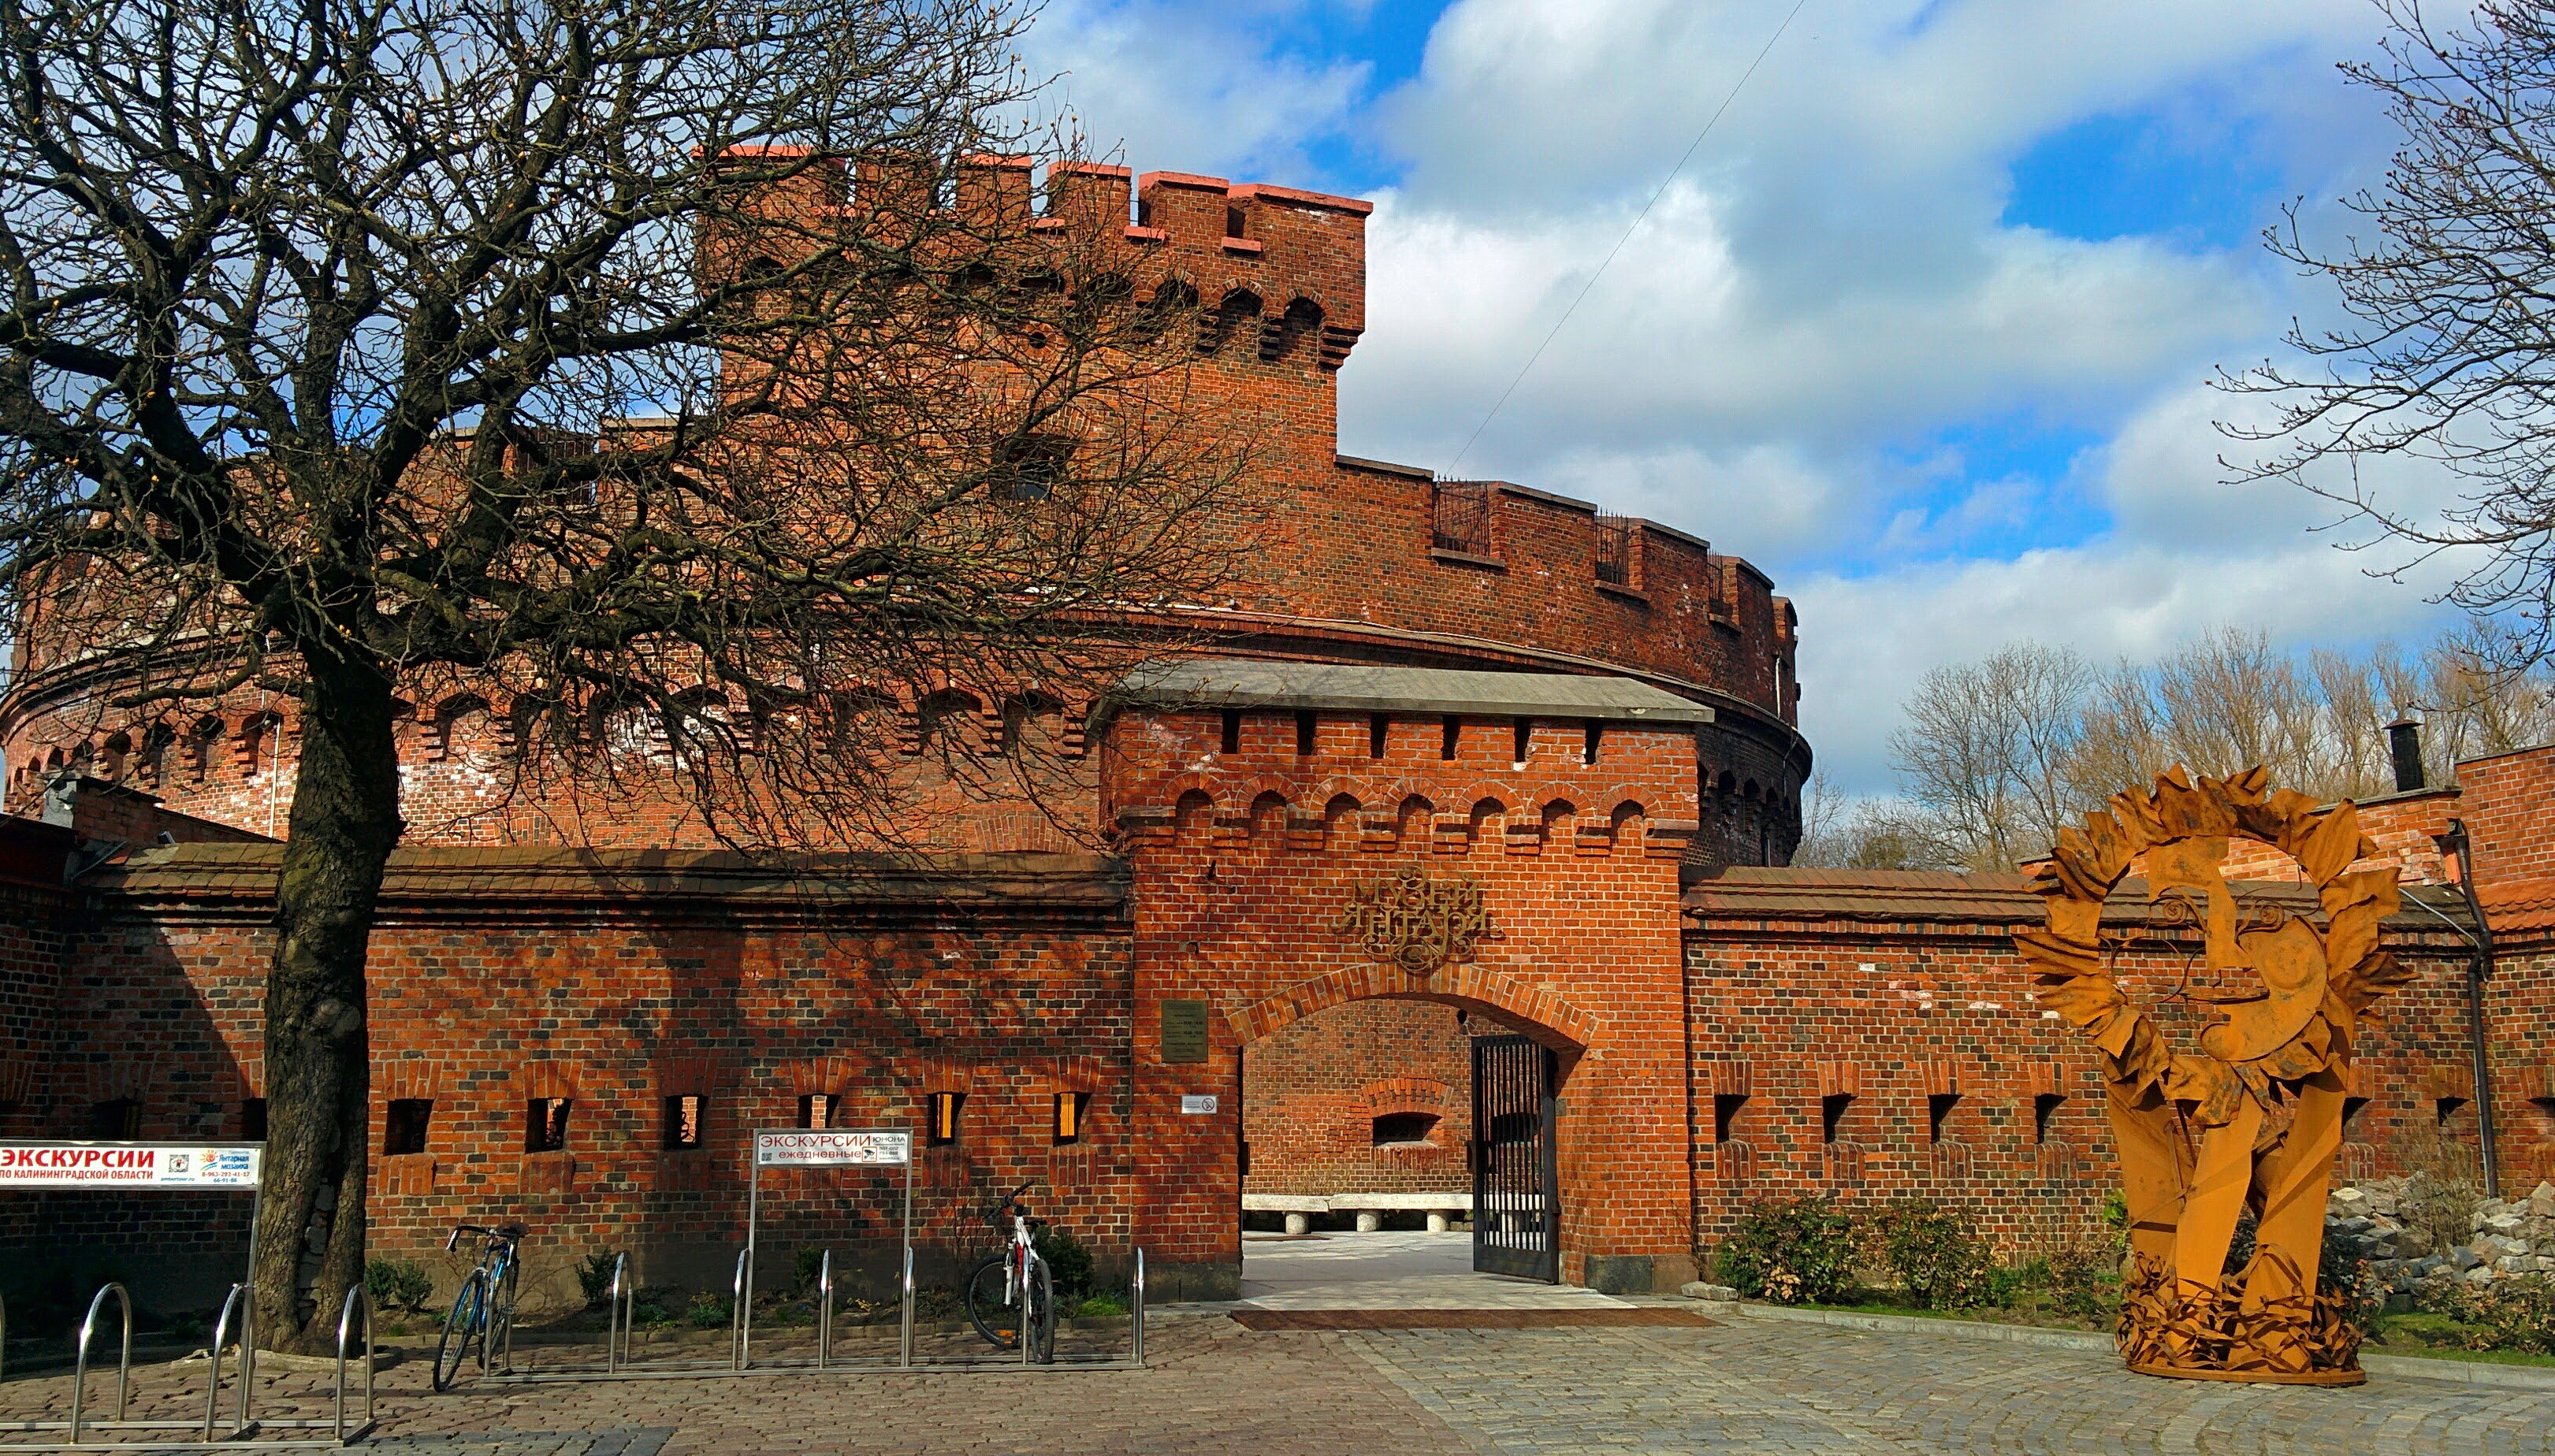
column 2199, row 1145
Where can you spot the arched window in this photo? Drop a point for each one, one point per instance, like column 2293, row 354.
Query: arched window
column 1190, row 815
column 1238, row 313
column 1340, row 823
column 1171, row 301
column 1411, row 825
column 1303, row 319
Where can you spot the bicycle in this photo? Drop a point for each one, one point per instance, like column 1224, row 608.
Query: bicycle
column 483, row 1312
column 1011, row 1295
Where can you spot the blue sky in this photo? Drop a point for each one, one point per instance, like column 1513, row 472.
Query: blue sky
column 1923, row 328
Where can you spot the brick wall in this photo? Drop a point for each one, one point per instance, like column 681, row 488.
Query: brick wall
column 1313, row 1090
column 1873, row 1034
column 2521, row 1022
column 499, row 980
column 2507, row 802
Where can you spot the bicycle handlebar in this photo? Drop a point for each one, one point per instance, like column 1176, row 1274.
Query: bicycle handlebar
column 1010, row 1201
column 510, row 1233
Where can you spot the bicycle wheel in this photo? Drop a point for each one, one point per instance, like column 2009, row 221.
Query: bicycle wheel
column 467, row 1321
column 1037, row 1318
column 995, row 1318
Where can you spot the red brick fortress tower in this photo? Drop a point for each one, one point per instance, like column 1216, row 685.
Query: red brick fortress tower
column 1363, row 563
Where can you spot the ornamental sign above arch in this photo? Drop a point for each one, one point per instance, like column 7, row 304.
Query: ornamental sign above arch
column 1415, row 924
column 2254, row 1119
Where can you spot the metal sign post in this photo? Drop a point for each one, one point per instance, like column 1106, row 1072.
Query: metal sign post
column 820, row 1148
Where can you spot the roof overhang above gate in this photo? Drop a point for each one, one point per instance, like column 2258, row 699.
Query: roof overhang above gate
column 1271, row 687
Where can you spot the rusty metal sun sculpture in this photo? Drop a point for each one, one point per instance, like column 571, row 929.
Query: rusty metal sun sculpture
column 2254, row 1119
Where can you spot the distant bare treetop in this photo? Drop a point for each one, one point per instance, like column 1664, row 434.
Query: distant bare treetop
column 1996, row 755
column 2449, row 359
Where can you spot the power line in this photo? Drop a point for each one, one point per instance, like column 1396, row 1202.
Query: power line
column 1638, row 218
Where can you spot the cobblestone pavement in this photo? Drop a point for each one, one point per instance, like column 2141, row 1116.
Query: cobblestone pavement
column 1743, row 1385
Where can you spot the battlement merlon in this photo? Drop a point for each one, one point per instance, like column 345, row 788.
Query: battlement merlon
column 1279, row 245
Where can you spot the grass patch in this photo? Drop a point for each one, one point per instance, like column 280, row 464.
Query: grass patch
column 2443, row 1337
column 2034, row 1308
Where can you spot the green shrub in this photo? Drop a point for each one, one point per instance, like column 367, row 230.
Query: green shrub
column 1791, row 1251
column 594, row 1276
column 806, row 1268
column 1938, row 1260
column 398, row 1284
column 2008, row 1284
column 2517, row 1313
column 2116, row 1214
column 2362, row 1292
column 710, row 1309
column 1067, row 1262
column 1102, row 1305
column 653, row 1307
column 2083, row 1279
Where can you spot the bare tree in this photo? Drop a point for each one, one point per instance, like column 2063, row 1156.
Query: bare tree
column 327, row 324
column 1868, row 834
column 1984, row 748
column 2449, row 355
column 2475, row 704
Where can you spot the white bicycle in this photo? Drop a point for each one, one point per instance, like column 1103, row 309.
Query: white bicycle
column 1011, row 1296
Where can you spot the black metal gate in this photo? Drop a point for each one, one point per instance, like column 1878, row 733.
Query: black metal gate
column 1515, row 1210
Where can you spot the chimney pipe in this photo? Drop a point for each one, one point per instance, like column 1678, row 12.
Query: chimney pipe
column 2404, row 742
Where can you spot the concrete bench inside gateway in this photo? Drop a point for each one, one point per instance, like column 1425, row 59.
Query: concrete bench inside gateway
column 1370, row 1208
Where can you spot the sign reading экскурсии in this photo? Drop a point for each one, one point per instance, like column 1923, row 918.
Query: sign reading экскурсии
column 128, row 1165
column 832, row 1148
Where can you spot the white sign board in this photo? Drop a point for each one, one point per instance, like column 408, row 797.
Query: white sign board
column 832, row 1148
column 1195, row 1105
column 138, row 1166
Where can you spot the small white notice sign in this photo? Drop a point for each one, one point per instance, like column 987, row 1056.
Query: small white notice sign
column 1193, row 1104
column 131, row 1166
column 834, row 1148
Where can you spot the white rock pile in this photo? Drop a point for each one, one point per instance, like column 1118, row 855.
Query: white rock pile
column 2378, row 1222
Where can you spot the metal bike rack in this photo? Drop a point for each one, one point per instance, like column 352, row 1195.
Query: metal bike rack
column 620, row 1322
column 124, row 1359
column 146, row 1167
column 345, row 1319
column 904, row 1333
column 740, row 1344
column 616, row 1316
column 238, row 1299
column 82, row 1432
column 805, row 1147
column 825, row 1309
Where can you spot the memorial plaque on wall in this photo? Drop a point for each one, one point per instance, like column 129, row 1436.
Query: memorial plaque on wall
column 1183, row 1031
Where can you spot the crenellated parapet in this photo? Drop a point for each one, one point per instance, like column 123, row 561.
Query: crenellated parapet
column 1277, row 275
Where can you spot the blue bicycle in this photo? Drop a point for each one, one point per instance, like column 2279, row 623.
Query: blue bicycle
column 484, row 1310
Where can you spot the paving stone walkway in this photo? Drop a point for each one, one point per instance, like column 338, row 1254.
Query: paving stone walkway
column 1389, row 1270
column 1755, row 1385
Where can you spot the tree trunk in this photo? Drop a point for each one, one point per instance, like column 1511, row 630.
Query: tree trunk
column 318, row 1060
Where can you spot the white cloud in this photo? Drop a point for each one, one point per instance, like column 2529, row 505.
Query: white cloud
column 1168, row 87
column 2188, row 552
column 1687, row 341
column 1829, row 291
